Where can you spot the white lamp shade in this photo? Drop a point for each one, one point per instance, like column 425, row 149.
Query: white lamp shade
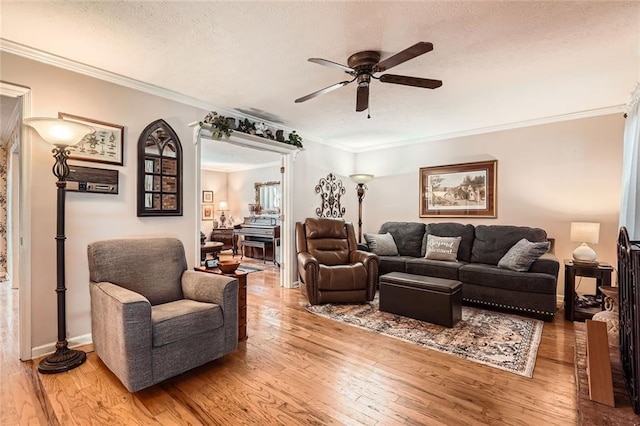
column 223, row 206
column 59, row 132
column 361, row 178
column 585, row 232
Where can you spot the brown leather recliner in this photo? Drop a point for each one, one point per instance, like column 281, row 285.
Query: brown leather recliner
column 330, row 267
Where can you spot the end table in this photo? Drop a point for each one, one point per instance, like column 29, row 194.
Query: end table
column 600, row 271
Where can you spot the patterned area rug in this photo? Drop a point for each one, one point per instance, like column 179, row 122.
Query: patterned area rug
column 504, row 341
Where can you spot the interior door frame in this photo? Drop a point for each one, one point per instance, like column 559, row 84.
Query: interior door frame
column 24, row 231
column 288, row 154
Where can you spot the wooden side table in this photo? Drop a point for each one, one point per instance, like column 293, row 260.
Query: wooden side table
column 242, row 297
column 600, row 271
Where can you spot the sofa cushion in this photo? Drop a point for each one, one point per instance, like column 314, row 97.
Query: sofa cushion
column 442, row 248
column 433, row 268
column 522, row 255
column 492, row 276
column 182, row 319
column 451, row 229
column 393, row 264
column 381, row 244
column 492, row 242
column 407, row 235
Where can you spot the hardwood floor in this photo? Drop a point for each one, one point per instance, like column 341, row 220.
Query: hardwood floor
column 297, row 368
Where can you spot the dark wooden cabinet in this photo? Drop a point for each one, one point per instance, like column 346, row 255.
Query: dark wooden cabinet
column 159, row 171
column 600, row 271
column 223, row 235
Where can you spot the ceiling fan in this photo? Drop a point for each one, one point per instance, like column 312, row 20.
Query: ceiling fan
column 363, row 66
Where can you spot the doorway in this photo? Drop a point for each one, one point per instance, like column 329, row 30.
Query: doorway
column 18, row 207
column 270, row 155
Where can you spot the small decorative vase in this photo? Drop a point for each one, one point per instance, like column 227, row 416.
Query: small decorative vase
column 610, row 314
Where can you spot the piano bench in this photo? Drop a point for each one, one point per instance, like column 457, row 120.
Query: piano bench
column 256, row 244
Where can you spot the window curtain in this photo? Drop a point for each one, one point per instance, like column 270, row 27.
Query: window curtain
column 629, row 212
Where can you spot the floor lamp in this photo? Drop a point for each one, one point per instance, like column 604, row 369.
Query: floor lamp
column 61, row 134
column 360, row 179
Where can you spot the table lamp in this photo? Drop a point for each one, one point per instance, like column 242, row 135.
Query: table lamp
column 223, row 206
column 585, row 232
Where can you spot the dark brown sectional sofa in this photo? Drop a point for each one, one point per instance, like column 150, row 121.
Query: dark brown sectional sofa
column 481, row 247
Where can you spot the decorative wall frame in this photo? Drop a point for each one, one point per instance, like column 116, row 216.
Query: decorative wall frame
column 207, row 212
column 105, row 145
column 159, row 171
column 330, row 190
column 459, row 190
column 207, row 197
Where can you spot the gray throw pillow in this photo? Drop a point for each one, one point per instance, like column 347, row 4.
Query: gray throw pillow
column 522, row 255
column 442, row 248
column 382, row 244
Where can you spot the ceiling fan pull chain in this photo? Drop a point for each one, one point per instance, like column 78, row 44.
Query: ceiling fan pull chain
column 369, row 111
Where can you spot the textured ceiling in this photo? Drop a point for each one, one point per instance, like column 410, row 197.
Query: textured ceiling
column 7, row 109
column 500, row 62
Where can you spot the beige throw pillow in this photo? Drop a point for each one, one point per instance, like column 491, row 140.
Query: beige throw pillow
column 442, row 248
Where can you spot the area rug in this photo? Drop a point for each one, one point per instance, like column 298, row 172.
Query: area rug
column 504, row 341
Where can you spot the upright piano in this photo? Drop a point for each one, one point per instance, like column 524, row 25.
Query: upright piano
column 259, row 228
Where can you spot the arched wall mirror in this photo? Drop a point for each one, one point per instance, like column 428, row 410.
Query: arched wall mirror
column 159, row 171
column 268, row 197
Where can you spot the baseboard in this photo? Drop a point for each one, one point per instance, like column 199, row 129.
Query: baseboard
column 50, row 348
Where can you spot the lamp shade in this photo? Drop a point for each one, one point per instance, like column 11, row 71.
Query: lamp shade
column 361, row 178
column 223, row 206
column 585, row 232
column 58, row 132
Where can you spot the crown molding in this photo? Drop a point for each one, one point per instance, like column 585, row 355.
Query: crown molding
column 500, row 127
column 111, row 77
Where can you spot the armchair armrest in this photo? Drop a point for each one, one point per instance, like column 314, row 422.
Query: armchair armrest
column 121, row 324
column 210, row 288
column 309, row 270
column 371, row 263
column 219, row 289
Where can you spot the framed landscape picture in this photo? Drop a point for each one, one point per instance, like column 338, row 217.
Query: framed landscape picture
column 105, row 145
column 459, row 190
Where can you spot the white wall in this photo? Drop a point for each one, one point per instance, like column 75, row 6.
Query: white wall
column 315, row 163
column 548, row 176
column 91, row 217
column 242, row 190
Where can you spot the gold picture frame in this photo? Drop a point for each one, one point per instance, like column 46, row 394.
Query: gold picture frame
column 459, row 190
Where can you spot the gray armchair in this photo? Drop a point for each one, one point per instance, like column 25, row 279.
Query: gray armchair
column 151, row 318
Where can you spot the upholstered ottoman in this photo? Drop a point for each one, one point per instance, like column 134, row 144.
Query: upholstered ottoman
column 434, row 300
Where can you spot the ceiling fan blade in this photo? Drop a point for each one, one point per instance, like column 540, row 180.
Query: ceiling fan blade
column 403, row 56
column 362, row 98
column 322, row 91
column 330, row 64
column 410, row 81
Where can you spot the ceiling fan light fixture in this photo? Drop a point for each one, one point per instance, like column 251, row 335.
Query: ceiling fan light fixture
column 363, row 65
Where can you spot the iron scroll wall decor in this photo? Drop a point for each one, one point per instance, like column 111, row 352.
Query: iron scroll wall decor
column 330, row 190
